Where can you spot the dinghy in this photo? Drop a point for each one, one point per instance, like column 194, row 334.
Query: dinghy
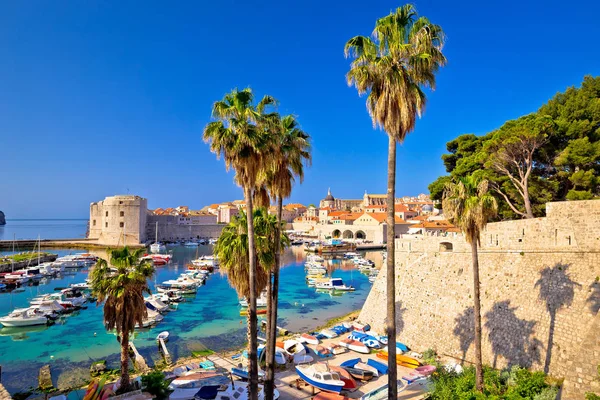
column 329, row 334
column 368, row 340
column 294, row 347
column 320, row 377
column 426, row 370
column 381, row 368
column 243, row 373
column 323, row 352
column 163, row 335
column 355, row 345
column 360, row 374
column 310, row 339
column 336, row 349
column 367, row 367
column 303, row 359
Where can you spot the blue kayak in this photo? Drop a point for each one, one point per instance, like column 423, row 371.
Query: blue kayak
column 350, row 363
column 380, row 367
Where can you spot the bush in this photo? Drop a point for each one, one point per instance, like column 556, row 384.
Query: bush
column 514, row 384
column 155, row 383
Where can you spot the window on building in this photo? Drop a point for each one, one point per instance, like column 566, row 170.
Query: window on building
column 107, row 213
column 122, row 213
column 121, row 224
column 94, row 223
column 120, row 202
column 106, row 224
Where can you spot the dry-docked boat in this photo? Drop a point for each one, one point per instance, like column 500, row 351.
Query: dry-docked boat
column 319, row 376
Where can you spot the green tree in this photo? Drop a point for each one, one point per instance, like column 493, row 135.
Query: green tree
column 235, row 136
column 291, row 151
column 392, row 69
column 468, row 205
column 120, row 284
column 233, row 250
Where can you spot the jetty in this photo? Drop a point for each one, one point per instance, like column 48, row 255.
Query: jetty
column 140, row 363
column 79, row 243
column 165, row 351
column 7, row 265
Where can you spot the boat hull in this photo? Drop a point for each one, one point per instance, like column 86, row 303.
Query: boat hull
column 319, row 385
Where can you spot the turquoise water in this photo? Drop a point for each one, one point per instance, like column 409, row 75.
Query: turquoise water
column 208, row 319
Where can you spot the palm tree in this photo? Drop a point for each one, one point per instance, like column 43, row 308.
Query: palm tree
column 244, row 147
column 121, row 285
column 232, row 249
column 393, row 68
column 291, row 150
column 469, row 205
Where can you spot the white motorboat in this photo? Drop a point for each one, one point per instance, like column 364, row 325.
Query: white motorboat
column 23, row 317
column 334, row 284
column 69, row 261
column 157, row 303
column 261, row 301
column 204, row 261
column 179, row 290
column 156, row 248
column 319, row 376
column 17, row 277
column 182, row 282
column 68, row 298
column 293, row 347
column 153, row 318
column 190, row 244
column 316, row 271
column 49, row 307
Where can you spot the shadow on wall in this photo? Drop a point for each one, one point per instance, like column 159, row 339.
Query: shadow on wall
column 464, row 329
column 594, row 298
column 511, row 338
column 556, row 291
column 399, row 317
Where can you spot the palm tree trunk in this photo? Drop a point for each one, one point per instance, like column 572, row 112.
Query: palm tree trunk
column 273, row 304
column 253, row 362
column 124, row 387
column 391, row 276
column 477, row 316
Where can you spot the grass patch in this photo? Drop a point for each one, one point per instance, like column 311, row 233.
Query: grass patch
column 203, row 353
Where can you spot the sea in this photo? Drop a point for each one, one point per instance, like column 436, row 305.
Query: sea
column 210, row 319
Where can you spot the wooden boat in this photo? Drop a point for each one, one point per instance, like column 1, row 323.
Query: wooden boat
column 323, row 352
column 360, row 374
column 367, row 367
column 319, row 376
column 336, row 349
column 355, row 345
column 258, row 312
column 349, row 382
column 329, row 396
column 405, row 361
column 310, row 339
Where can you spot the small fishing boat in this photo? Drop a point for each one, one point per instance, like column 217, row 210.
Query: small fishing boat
column 244, row 374
column 23, row 317
column 323, row 352
column 293, row 347
column 367, row 367
column 244, row 313
column 368, row 340
column 302, row 359
column 329, row 334
column 381, row 368
column 280, row 354
column 360, row 374
column 261, row 301
column 163, row 335
column 336, row 349
column 360, row 327
column 319, row 376
column 190, row 244
column 349, row 381
column 310, row 339
column 334, row 284
column 355, row 345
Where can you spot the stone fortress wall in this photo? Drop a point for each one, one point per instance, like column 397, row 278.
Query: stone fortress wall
column 169, row 230
column 540, row 294
column 119, row 220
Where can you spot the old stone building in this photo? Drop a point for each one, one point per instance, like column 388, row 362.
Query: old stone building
column 119, row 220
column 540, row 294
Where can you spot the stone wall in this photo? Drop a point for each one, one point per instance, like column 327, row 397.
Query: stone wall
column 119, row 220
column 169, row 230
column 540, row 294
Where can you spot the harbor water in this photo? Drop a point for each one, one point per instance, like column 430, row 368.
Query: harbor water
column 210, row 319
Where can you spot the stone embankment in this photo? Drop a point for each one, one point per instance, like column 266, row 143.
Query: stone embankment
column 84, row 244
column 540, row 295
column 8, row 266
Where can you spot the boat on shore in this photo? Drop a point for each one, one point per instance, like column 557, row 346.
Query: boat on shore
column 319, row 376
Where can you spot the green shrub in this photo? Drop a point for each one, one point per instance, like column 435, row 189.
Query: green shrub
column 429, row 356
column 548, row 393
column 155, row 383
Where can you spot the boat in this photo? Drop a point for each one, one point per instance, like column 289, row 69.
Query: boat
column 239, row 391
column 405, row 361
column 243, row 313
column 293, row 347
column 329, row 396
column 261, row 301
column 157, row 304
column 426, row 370
column 163, row 335
column 367, row 367
column 355, row 345
column 310, row 339
column 49, row 308
column 190, row 244
column 381, row 393
column 23, row 317
column 351, row 254
column 153, row 317
column 243, row 373
column 329, row 334
column 349, row 381
column 400, row 348
column 319, row 376
column 381, row 368
column 323, row 352
column 360, row 327
column 335, row 246
column 360, row 374
column 2, row 287
column 69, row 298
column 368, row 340
column 334, row 284
column 336, row 349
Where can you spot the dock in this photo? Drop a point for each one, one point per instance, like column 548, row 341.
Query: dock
column 140, row 363
column 78, row 243
column 165, row 351
column 6, row 266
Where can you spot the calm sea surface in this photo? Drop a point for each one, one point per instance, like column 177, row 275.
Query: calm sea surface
column 45, row 228
column 208, row 319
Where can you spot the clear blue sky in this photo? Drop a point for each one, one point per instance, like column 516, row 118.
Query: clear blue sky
column 108, row 97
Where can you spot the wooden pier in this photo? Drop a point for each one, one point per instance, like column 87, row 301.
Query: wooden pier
column 165, row 351
column 140, row 363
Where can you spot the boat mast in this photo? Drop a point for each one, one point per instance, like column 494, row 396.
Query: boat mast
column 156, row 237
column 39, row 248
column 12, row 259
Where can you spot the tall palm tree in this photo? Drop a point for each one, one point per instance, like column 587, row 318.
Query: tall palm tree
column 469, row 205
column 291, row 151
column 244, row 147
column 232, row 249
column 121, row 284
column 393, row 68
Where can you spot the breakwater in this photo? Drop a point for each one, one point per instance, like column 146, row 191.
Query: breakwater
column 7, row 266
column 58, row 244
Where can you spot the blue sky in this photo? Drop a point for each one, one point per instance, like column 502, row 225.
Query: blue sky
column 108, row 97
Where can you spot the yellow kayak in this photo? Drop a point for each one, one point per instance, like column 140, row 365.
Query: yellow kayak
column 405, row 361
